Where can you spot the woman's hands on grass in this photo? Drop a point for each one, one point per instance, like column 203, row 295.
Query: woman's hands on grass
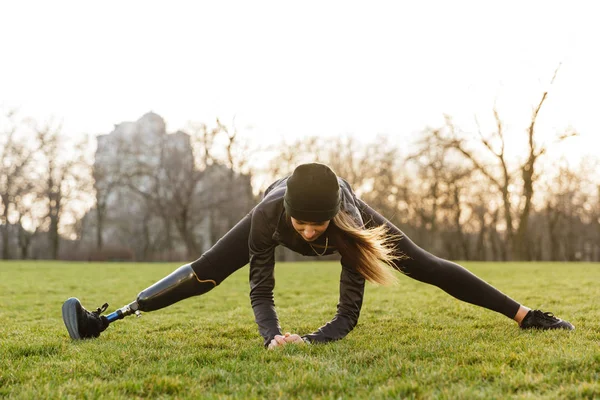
column 282, row 340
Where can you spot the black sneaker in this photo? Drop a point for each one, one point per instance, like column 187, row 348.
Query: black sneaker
column 536, row 319
column 81, row 323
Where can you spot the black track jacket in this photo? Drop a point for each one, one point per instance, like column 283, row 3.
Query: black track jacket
column 270, row 229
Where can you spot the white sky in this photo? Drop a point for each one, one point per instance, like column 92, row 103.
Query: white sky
column 304, row 68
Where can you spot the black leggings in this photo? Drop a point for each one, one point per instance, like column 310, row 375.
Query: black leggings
column 231, row 253
column 448, row 276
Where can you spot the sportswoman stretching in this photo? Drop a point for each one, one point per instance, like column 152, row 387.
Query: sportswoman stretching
column 314, row 213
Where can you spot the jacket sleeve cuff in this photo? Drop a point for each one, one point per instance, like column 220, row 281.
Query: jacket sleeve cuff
column 306, row 339
column 267, row 339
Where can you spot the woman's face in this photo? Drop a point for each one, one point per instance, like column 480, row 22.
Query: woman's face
column 309, row 231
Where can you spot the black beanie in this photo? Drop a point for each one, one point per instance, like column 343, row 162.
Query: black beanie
column 312, row 193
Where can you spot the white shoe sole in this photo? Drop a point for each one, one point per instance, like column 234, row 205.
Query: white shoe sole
column 69, row 314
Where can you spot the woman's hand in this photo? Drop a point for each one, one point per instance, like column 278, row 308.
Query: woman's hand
column 282, row 340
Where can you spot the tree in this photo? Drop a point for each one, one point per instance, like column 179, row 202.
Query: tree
column 498, row 174
column 224, row 191
column 162, row 174
column 237, row 155
column 570, row 214
column 379, row 180
column 16, row 156
column 62, row 170
column 442, row 180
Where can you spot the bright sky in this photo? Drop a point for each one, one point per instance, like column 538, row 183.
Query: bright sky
column 303, row 68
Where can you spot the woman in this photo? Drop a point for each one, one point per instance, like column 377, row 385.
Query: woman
column 314, row 213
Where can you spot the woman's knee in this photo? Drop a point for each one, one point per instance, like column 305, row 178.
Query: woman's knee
column 422, row 266
column 216, row 268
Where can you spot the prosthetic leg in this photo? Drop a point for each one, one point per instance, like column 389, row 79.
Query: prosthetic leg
column 180, row 284
column 231, row 253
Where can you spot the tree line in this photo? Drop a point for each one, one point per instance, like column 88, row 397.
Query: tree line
column 458, row 195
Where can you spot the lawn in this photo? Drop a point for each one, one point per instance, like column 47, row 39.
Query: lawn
column 412, row 341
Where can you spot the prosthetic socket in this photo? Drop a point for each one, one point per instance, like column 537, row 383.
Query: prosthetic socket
column 180, row 284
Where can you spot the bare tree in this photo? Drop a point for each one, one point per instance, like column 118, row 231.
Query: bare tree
column 441, row 181
column 495, row 144
column 570, row 214
column 30, row 220
column 204, row 143
column 162, row 177
column 61, row 176
column 516, row 238
column 178, row 189
column 16, row 161
column 480, row 209
column 349, row 159
column 378, row 179
column 236, row 159
column 282, row 158
column 187, row 187
column 528, row 175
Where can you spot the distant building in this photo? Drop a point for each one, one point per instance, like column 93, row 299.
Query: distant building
column 145, row 179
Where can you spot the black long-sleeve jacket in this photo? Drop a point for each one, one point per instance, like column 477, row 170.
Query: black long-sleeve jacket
column 270, row 229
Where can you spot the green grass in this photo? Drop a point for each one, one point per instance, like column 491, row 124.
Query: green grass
column 412, row 341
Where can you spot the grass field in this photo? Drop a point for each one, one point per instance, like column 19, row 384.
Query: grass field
column 412, row 341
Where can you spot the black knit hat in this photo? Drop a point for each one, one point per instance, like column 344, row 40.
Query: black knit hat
column 312, row 193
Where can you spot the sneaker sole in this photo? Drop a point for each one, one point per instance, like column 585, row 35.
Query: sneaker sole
column 559, row 325
column 69, row 314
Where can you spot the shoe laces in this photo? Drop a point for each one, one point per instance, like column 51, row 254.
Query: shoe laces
column 100, row 310
column 548, row 316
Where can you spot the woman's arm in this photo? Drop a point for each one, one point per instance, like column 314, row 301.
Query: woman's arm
column 262, row 281
column 352, row 286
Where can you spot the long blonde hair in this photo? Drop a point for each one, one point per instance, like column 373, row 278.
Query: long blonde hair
column 371, row 249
